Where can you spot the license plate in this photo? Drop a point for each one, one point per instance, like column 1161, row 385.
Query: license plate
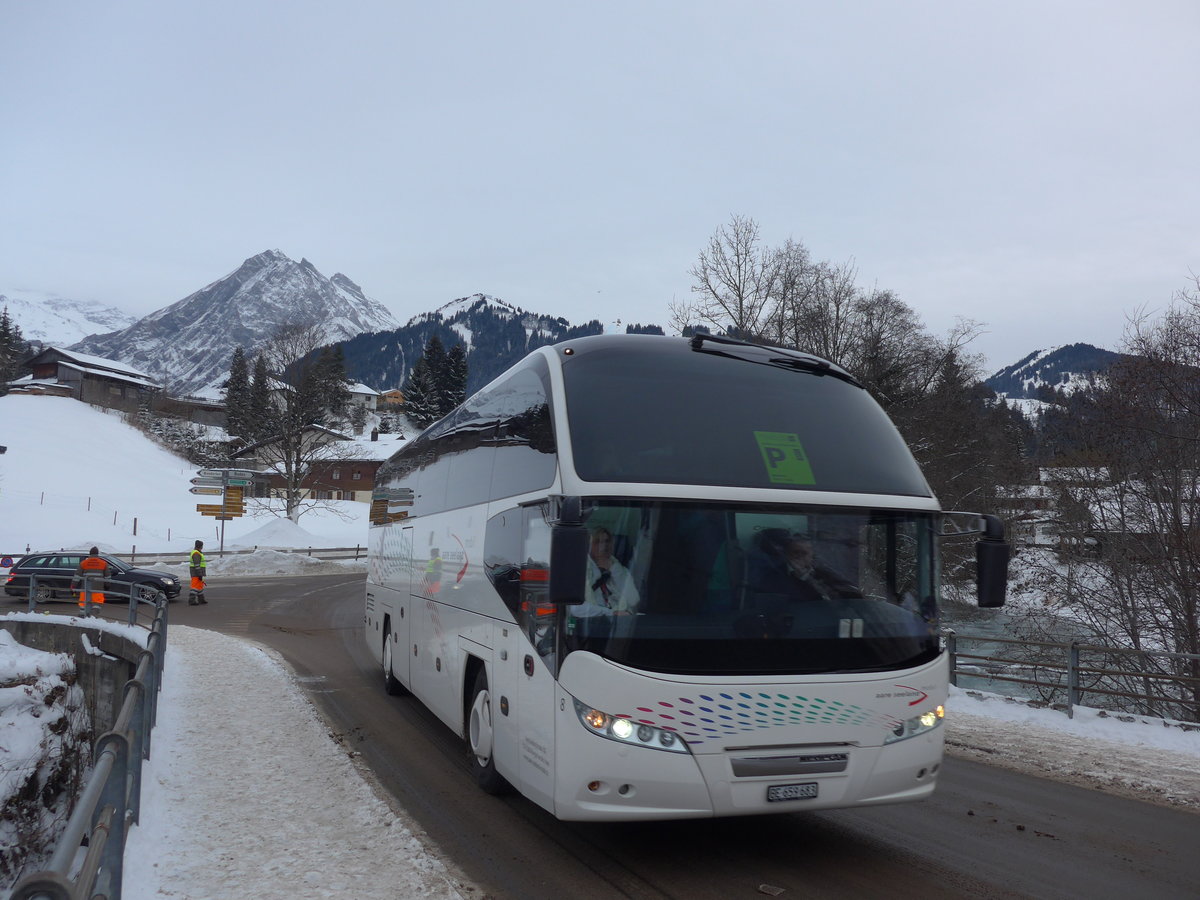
column 791, row 792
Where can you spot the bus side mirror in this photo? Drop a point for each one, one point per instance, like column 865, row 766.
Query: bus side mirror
column 569, row 545
column 991, row 564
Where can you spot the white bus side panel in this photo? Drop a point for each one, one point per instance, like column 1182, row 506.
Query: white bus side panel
column 535, row 712
column 388, row 605
column 455, row 609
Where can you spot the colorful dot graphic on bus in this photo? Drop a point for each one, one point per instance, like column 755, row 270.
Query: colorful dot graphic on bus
column 784, row 457
column 709, row 716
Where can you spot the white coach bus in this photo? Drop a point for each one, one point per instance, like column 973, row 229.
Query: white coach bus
column 651, row 577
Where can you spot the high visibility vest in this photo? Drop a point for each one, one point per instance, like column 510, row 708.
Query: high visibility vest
column 198, row 566
column 93, row 566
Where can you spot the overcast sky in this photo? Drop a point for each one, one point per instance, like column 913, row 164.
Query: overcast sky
column 1029, row 165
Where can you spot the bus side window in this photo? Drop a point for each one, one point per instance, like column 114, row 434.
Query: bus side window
column 526, row 453
column 502, row 556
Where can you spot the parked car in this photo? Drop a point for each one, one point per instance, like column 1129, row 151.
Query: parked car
column 54, row 571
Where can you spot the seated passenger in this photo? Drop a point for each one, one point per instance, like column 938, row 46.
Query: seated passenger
column 610, row 587
column 782, row 563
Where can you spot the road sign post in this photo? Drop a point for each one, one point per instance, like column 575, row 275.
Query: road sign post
column 230, row 485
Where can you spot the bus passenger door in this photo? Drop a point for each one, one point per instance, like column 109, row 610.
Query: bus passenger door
column 503, row 680
column 401, row 621
column 538, row 666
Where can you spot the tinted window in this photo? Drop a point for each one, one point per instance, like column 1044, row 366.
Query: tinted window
column 747, row 590
column 525, row 451
column 654, row 410
column 499, row 443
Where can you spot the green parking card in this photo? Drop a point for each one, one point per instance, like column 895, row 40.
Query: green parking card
column 784, row 457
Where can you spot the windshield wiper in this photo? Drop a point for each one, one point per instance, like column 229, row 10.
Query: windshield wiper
column 799, row 363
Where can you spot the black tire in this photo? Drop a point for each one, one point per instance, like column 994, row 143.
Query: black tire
column 391, row 683
column 44, row 592
column 480, row 738
column 148, row 593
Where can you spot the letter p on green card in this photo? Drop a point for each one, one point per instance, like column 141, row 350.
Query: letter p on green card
column 784, row 457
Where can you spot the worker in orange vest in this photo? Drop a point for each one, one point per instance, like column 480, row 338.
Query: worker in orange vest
column 92, row 571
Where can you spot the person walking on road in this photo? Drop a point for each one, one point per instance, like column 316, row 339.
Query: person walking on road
column 90, row 575
column 197, row 568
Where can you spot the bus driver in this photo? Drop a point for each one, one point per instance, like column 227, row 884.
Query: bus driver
column 610, row 587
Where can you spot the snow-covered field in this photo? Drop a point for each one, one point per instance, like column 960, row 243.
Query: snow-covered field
column 74, row 476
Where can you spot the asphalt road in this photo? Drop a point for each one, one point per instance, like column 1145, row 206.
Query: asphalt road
column 987, row 832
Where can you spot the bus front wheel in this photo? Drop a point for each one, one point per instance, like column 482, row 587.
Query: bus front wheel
column 391, row 683
column 480, row 737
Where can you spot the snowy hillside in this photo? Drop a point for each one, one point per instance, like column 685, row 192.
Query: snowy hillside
column 74, row 476
column 49, row 319
column 495, row 333
column 1065, row 368
column 457, row 313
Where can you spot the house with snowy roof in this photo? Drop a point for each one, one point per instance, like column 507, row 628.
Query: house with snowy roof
column 364, row 396
column 92, row 379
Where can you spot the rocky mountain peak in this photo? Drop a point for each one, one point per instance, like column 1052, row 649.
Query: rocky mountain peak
column 187, row 345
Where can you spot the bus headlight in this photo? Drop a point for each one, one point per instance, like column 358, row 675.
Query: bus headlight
column 919, row 725
column 626, row 731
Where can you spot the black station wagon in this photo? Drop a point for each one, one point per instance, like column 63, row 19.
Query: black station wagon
column 54, row 571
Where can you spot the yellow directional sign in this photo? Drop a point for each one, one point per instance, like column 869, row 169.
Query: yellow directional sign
column 220, row 509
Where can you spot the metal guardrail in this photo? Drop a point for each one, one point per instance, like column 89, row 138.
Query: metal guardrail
column 1062, row 669
column 111, row 800
column 181, row 558
column 88, row 588
column 172, row 559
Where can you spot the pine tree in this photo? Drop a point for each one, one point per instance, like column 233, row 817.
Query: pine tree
column 455, row 377
column 420, row 395
column 436, row 362
column 239, row 418
column 333, row 385
column 259, row 406
column 12, row 349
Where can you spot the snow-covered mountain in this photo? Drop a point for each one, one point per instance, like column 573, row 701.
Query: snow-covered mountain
column 187, row 345
column 49, row 319
column 460, row 314
column 496, row 334
column 1063, row 369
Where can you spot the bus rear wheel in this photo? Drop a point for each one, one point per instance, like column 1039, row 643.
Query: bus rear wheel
column 480, row 738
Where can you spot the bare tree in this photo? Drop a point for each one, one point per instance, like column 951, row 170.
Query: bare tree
column 296, row 432
column 1129, row 562
column 732, row 281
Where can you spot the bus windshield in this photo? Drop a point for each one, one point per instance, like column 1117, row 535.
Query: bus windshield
column 733, row 590
column 646, row 412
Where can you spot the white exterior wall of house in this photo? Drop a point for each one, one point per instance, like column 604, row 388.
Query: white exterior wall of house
column 364, row 396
